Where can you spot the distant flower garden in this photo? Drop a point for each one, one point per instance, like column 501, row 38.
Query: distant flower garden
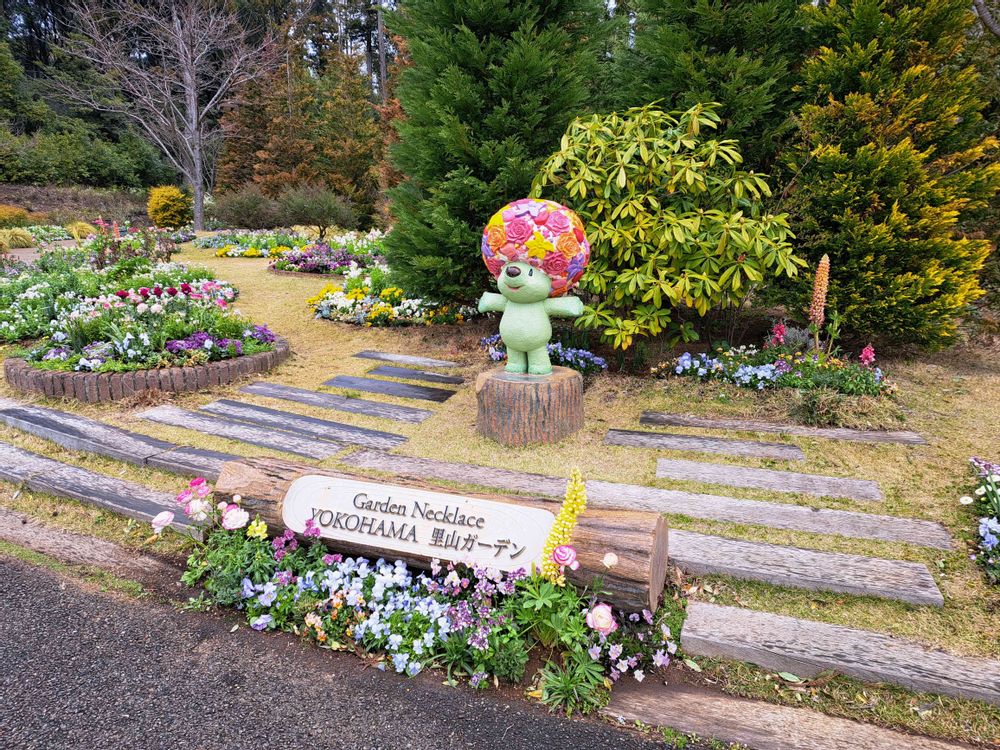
column 258, row 244
column 366, row 299
column 581, row 360
column 338, row 255
column 477, row 624
column 986, row 499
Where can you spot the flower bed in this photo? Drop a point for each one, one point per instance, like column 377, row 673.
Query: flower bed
column 986, row 499
column 257, row 244
column 581, row 360
column 476, row 624
column 32, row 296
column 341, row 254
column 367, row 299
column 782, row 363
column 46, row 233
column 149, row 327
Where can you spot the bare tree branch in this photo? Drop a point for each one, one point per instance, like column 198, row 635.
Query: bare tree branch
column 169, row 67
column 986, row 17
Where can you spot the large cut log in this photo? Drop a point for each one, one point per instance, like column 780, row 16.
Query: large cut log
column 638, row 538
column 521, row 410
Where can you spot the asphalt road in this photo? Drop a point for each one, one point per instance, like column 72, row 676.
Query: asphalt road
column 85, row 670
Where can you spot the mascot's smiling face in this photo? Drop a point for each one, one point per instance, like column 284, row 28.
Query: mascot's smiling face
column 523, row 283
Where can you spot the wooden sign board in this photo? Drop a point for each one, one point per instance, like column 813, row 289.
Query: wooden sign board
column 419, row 523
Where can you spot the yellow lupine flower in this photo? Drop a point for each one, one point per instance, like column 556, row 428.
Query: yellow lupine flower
column 573, row 505
column 257, row 529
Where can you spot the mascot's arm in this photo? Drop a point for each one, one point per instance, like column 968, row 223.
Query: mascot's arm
column 492, row 302
column 562, row 307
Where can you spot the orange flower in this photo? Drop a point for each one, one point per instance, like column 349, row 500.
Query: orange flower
column 496, row 237
column 567, row 245
column 817, row 310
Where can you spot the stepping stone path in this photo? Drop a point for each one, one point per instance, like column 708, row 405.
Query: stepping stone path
column 390, row 388
column 340, row 403
column 406, row 359
column 406, row 373
column 701, row 554
column 696, row 505
column 768, row 479
column 83, row 434
column 663, row 419
column 41, row 474
column 188, row 461
column 806, row 648
column 726, row 446
column 755, row 724
column 320, row 429
column 287, row 442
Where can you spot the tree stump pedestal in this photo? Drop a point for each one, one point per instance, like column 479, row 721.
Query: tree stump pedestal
column 520, row 410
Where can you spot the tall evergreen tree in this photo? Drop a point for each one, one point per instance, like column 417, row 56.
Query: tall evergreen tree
column 893, row 154
column 743, row 54
column 492, row 86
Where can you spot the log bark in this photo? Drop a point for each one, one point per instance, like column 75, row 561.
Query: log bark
column 519, row 410
column 638, row 538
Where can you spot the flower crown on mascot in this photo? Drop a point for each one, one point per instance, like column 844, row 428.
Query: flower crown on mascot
column 537, row 252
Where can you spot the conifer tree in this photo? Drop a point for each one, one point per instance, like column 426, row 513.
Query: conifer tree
column 743, row 54
column 892, row 154
column 491, row 88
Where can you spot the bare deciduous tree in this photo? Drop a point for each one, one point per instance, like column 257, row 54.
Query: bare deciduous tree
column 169, row 67
column 986, row 17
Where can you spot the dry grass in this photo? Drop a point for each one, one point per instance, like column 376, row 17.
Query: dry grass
column 953, row 400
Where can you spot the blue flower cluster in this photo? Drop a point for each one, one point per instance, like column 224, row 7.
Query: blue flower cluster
column 581, row 360
column 987, row 499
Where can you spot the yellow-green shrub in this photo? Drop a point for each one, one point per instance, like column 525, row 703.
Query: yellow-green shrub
column 81, row 229
column 169, row 206
column 17, row 237
column 12, row 216
column 4, row 247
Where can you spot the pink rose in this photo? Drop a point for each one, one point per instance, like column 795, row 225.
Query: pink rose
column 558, row 222
column 555, row 264
column 518, row 231
column 565, row 556
column 161, row 521
column 602, row 619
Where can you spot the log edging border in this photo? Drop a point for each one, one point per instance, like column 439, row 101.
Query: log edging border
column 102, row 387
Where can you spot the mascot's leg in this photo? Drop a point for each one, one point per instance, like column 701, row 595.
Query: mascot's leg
column 516, row 361
column 538, row 361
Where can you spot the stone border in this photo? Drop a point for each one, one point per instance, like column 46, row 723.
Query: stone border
column 100, row 387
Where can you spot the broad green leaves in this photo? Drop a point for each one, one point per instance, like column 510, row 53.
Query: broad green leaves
column 671, row 220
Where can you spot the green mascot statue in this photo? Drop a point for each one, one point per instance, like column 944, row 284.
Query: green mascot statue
column 537, row 252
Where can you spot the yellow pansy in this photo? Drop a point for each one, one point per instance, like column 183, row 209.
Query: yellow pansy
column 538, row 246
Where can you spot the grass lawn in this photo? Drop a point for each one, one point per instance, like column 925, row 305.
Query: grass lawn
column 953, row 399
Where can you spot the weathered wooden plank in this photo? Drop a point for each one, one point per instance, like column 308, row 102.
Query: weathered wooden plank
column 663, row 419
column 407, row 373
column 80, row 549
column 406, row 359
column 390, row 388
column 768, row 479
column 806, row 648
column 726, row 446
column 83, row 434
column 41, row 474
column 340, row 403
column 192, row 462
column 321, row 429
column 278, row 440
column 754, row 724
column 696, row 505
column 701, row 554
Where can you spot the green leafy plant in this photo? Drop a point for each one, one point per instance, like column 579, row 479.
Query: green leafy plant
column 672, row 221
column 316, row 207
